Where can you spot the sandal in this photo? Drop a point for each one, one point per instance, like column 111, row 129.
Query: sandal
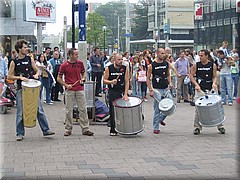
column 88, row 133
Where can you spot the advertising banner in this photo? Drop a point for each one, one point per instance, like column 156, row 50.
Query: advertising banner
column 198, row 11
column 39, row 10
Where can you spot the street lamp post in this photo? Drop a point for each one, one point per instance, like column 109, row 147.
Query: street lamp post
column 104, row 37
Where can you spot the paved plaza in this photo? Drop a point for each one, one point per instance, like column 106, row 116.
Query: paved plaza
column 175, row 153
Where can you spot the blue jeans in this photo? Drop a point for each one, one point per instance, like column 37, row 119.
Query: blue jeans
column 46, row 85
column 134, row 86
column 158, row 116
column 226, row 82
column 235, row 79
column 42, row 120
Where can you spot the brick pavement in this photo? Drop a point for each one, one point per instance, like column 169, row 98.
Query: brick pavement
column 175, row 153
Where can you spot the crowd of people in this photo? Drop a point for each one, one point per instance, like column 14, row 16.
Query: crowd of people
column 184, row 74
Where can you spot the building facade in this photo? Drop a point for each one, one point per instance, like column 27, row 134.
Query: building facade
column 13, row 27
column 219, row 22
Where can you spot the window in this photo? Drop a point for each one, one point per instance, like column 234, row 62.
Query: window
column 234, row 20
column 227, row 21
column 206, row 8
column 226, row 4
column 213, row 23
column 6, row 8
column 200, row 24
column 233, row 3
column 220, row 5
column 213, row 6
column 219, row 22
column 206, row 24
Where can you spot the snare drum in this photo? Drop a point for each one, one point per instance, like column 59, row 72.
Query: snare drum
column 128, row 115
column 30, row 97
column 210, row 110
column 167, row 106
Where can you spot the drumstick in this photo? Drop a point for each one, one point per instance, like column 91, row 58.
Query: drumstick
column 121, row 70
column 75, row 83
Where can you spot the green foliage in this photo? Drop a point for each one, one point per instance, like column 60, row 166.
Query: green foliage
column 140, row 22
column 69, row 34
column 95, row 33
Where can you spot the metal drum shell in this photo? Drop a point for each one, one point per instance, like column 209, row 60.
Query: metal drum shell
column 210, row 110
column 128, row 119
column 164, row 106
column 89, row 90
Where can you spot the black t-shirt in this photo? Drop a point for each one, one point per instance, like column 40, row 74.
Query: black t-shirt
column 160, row 74
column 23, row 67
column 204, row 75
column 113, row 74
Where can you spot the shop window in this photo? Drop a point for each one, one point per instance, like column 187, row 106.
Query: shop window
column 213, row 6
column 233, row 3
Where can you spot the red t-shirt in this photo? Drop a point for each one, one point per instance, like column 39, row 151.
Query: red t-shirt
column 72, row 73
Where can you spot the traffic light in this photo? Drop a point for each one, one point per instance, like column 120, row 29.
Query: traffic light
column 76, row 7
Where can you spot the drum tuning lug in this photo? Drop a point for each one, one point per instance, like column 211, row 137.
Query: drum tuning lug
column 206, row 97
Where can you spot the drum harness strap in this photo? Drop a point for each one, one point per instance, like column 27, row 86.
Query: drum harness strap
column 162, row 97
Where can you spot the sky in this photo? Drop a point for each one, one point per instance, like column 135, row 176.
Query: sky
column 64, row 8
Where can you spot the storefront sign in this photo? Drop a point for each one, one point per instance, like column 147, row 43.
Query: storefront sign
column 40, row 10
column 198, row 11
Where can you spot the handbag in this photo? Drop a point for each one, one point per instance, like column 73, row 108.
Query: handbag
column 142, row 76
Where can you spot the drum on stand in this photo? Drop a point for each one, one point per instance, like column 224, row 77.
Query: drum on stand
column 128, row 115
column 30, row 97
column 210, row 110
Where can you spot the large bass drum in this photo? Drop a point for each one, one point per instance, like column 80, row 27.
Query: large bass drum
column 30, row 98
column 128, row 115
column 210, row 110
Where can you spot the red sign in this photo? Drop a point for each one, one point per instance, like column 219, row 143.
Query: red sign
column 238, row 7
column 43, row 11
column 198, row 11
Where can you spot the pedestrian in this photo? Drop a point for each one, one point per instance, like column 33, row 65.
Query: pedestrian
column 159, row 73
column 55, row 62
column 116, row 76
column 235, row 75
column 89, row 67
column 22, row 69
column 96, row 61
column 74, row 76
column 182, row 66
column 226, row 81
column 206, row 80
column 3, row 73
column 42, row 64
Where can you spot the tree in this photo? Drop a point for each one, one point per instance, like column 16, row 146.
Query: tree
column 140, row 21
column 94, row 24
column 110, row 11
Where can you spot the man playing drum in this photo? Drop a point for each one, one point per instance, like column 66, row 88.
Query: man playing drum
column 206, row 80
column 22, row 69
column 116, row 76
column 74, row 76
column 159, row 70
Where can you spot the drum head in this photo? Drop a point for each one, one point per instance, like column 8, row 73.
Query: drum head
column 31, row 83
column 132, row 102
column 208, row 100
column 165, row 104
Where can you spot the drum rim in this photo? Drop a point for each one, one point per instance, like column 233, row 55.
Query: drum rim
column 216, row 102
column 116, row 105
column 33, row 80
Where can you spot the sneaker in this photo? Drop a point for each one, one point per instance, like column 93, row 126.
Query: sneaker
column 156, row 131
column 19, row 137
column 222, row 130
column 178, row 101
column 50, row 103
column 49, row 133
column 186, row 101
column 88, row 133
column 163, row 123
column 45, row 101
column 230, row 104
column 223, row 103
column 67, row 133
column 113, row 134
column 145, row 99
column 234, row 98
column 196, row 131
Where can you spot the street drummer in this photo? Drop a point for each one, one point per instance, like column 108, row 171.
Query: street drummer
column 74, row 76
column 21, row 69
column 116, row 76
column 206, row 80
column 159, row 70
